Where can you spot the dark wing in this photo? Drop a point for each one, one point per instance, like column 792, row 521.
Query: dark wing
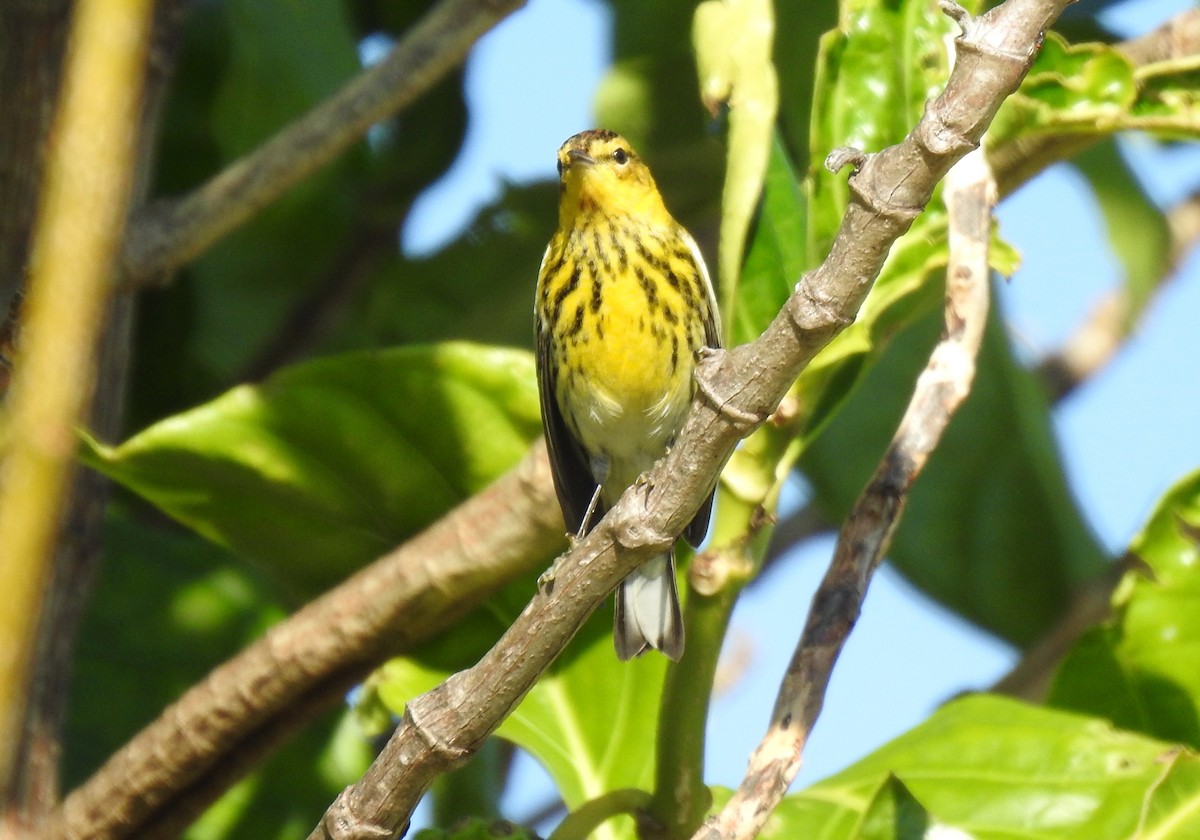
column 573, row 480
column 698, row 527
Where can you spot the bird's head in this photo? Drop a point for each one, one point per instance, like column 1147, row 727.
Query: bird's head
column 600, row 174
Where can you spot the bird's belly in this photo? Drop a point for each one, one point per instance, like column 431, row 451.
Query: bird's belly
column 631, row 393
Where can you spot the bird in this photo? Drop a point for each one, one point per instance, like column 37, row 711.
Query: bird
column 623, row 307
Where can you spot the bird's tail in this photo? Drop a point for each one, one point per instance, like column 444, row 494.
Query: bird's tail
column 648, row 611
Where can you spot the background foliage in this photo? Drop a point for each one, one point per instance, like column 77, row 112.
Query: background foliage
column 306, row 396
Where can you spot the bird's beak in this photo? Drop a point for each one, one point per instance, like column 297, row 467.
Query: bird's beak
column 584, row 158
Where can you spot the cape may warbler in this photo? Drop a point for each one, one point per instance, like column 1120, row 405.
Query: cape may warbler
column 623, row 305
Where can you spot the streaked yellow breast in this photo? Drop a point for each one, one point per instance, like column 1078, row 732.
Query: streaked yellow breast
column 624, row 309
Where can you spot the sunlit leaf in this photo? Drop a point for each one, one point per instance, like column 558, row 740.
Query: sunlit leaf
column 330, row 463
column 1139, row 669
column 874, row 74
column 1092, row 88
column 988, row 768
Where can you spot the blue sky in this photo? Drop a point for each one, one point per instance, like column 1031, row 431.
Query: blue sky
column 1125, row 436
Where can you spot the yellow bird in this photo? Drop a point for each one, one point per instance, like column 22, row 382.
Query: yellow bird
column 623, row 306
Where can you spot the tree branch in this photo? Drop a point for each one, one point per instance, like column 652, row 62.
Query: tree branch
column 1017, row 162
column 397, row 602
column 867, row 532
column 442, row 728
column 166, row 234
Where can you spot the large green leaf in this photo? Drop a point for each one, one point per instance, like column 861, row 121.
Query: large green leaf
column 168, row 607
column 590, row 719
column 874, row 75
column 776, row 254
column 330, row 463
column 1140, row 668
column 993, row 769
column 991, row 529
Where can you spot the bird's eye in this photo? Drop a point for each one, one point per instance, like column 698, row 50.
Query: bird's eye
column 560, row 167
column 621, row 156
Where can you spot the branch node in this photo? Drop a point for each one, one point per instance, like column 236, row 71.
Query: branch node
column 341, row 823
column 707, row 382
column 452, row 753
column 844, row 156
column 863, row 188
column 940, row 139
column 811, row 310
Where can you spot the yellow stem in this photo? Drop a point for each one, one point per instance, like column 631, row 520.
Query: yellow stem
column 82, row 211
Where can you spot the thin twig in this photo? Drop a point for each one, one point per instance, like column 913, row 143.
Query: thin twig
column 1102, row 334
column 316, row 312
column 740, row 388
column 1177, row 38
column 1030, row 679
column 867, row 532
column 84, row 198
column 397, row 602
column 166, row 234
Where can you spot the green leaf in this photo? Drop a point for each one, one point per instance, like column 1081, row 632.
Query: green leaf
column 776, row 255
column 991, row 529
column 328, row 464
column 1139, row 668
column 1167, row 104
column 1091, row 90
column 732, row 39
column 874, row 74
column 893, row 813
column 989, row 768
column 590, row 720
